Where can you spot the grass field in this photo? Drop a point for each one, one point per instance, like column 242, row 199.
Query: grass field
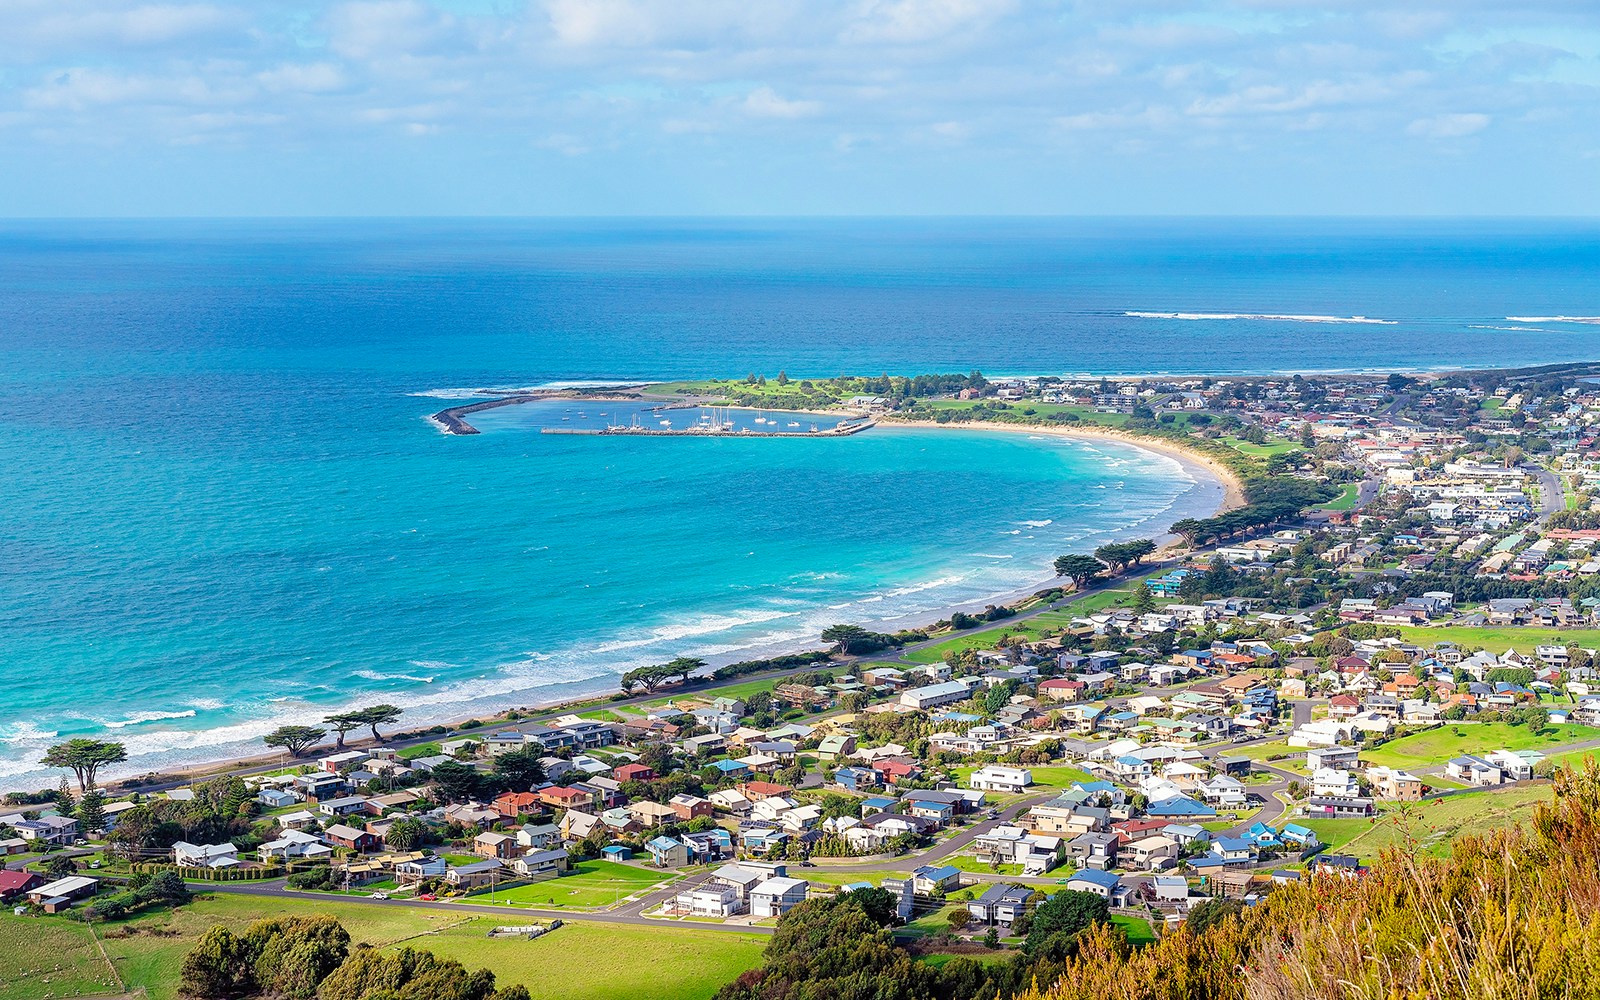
column 588, row 961
column 1348, row 494
column 1139, row 931
column 968, row 863
column 1437, row 745
column 580, row 961
column 1046, row 777
column 44, row 957
column 1499, row 639
column 1432, row 826
column 1260, row 450
column 594, row 883
column 1052, row 622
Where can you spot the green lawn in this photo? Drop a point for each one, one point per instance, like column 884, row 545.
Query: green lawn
column 1046, row 777
column 1348, row 494
column 150, row 956
column 580, row 961
column 592, row 961
column 1139, row 931
column 932, row 922
column 593, row 883
column 742, row 690
column 1439, row 744
column 968, row 863
column 1036, row 627
column 1433, row 825
column 43, row 957
column 1498, row 639
column 1260, row 450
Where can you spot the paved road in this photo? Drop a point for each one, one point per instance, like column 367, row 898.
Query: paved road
column 1552, row 499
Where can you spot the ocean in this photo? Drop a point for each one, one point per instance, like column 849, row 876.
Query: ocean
column 224, row 507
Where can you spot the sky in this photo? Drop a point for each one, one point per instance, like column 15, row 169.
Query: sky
column 781, row 107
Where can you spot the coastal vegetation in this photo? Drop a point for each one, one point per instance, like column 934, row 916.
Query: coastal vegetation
column 84, row 758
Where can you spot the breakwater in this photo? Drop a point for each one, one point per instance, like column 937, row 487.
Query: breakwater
column 453, row 419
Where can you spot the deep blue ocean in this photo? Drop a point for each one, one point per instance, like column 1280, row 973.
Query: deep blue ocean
column 222, row 506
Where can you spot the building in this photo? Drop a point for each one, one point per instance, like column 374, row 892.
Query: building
column 1103, row 884
column 205, row 855
column 1000, row 905
column 934, row 695
column 54, row 897
column 997, row 778
column 58, row 830
column 777, row 896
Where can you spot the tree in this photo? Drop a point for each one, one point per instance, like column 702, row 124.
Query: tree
column 295, row 739
column 1144, row 600
column 519, row 770
column 64, row 801
column 84, row 758
column 456, row 782
column 218, row 967
column 342, row 723
column 91, row 810
column 379, row 715
column 682, row 666
column 844, row 638
column 60, row 867
column 1079, row 568
column 406, row 835
column 1065, row 913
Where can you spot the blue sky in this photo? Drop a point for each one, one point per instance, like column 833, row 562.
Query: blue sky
column 779, row 107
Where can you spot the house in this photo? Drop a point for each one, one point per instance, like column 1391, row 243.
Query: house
column 1513, row 767
column 743, row 880
column 476, row 875
column 495, row 845
column 1330, row 807
column 1392, row 783
column 57, row 896
column 348, row 837
column 59, row 830
column 222, row 855
column 855, row 779
column 1093, row 849
column 836, row 747
column 1151, row 853
column 712, row 899
column 417, row 869
column 633, row 772
column 542, row 864
column 276, row 798
column 929, row 879
column 1474, row 771
column 292, row 844
column 689, row 807
column 934, row 695
column 1000, row 905
column 344, row 805
column 17, row 883
column 1234, row 850
column 665, row 852
column 777, row 896
column 996, row 778
column 510, row 805
column 1103, row 884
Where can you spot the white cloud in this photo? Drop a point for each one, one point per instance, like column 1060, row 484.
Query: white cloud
column 309, row 78
column 906, row 22
column 763, row 102
column 1448, row 126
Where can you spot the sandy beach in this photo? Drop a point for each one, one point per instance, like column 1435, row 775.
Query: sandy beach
column 1197, row 463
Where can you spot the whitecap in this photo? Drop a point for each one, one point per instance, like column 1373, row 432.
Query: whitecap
column 143, row 717
column 1038, row 524
column 1589, row 320
column 1281, row 317
column 373, row 675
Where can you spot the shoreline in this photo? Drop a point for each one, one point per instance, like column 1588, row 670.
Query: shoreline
column 1202, row 469
column 1190, row 458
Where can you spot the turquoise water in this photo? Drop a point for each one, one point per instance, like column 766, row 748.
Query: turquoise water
column 224, row 507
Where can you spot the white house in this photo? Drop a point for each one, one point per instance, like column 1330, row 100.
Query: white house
column 205, row 855
column 294, row 844
column 995, row 778
column 777, row 896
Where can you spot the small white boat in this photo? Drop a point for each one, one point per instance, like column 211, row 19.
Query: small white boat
column 666, row 423
column 794, row 423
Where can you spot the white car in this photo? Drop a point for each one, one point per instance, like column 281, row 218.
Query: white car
column 379, row 895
